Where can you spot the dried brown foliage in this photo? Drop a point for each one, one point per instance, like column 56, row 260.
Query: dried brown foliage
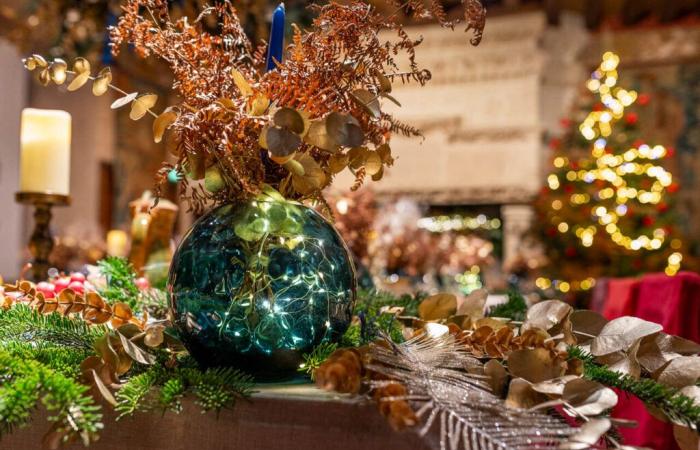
column 228, row 129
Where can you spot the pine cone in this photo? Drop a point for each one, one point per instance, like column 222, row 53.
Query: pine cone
column 342, row 371
column 398, row 412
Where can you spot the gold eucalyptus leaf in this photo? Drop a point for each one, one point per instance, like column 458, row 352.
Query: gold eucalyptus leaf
column 163, row 121
column 294, row 167
column 135, row 352
column 39, row 61
column 680, row 372
column 282, row 160
column 473, row 306
column 547, row 314
column 373, row 163
column 338, row 162
column 281, row 141
column 534, row 365
column 385, row 153
column 196, row 166
column 241, row 83
column 81, row 65
column 521, row 395
column 589, row 398
column 378, row 176
column 259, row 105
column 344, row 129
column 44, row 77
column 498, row 376
column 290, row 119
column 657, row 349
column 357, row 156
column 30, row 63
column 57, row 70
column 123, row 101
column 621, row 334
column 318, row 136
column 102, row 82
column 141, row 105
column 213, row 181
column 586, row 324
column 438, row 306
column 589, row 433
column 686, row 438
column 78, row 81
column 103, row 389
column 367, row 101
column 555, row 386
column 154, row 336
column 623, row 361
column 314, row 177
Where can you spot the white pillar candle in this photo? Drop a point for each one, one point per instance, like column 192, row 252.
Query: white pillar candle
column 45, row 151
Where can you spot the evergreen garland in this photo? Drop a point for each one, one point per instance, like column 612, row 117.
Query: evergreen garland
column 163, row 388
column 26, row 383
column 317, row 356
column 676, row 406
column 23, row 324
column 515, row 308
column 121, row 287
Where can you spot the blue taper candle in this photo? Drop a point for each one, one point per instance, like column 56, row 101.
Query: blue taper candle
column 276, row 44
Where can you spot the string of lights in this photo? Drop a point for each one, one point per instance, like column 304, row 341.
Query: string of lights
column 620, row 181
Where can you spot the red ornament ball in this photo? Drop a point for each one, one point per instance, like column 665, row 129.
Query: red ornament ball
column 48, row 289
column 643, row 99
column 670, row 152
column 648, row 221
column 77, row 287
column 61, row 283
column 673, row 188
column 631, row 118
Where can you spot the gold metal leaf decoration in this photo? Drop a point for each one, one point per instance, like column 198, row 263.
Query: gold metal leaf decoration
column 318, row 136
column 123, row 101
column 313, row 178
column 102, row 81
column 141, row 105
column 34, row 62
column 367, row 101
column 57, row 70
column 162, row 122
column 290, row 119
column 373, row 163
column 438, row 306
column 621, row 334
column 281, row 141
column 344, row 129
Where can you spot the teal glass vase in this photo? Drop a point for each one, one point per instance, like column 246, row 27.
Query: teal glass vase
column 258, row 284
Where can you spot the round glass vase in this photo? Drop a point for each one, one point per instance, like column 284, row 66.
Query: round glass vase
column 256, row 285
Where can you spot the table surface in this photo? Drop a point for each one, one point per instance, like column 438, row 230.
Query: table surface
column 278, row 416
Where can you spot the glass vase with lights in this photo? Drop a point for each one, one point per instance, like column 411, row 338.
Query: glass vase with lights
column 261, row 278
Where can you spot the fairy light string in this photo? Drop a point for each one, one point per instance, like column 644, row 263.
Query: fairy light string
column 611, row 175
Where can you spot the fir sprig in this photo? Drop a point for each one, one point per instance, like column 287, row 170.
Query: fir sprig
column 678, row 407
column 22, row 324
column 515, row 308
column 25, row 383
column 163, row 388
column 317, row 356
column 121, row 286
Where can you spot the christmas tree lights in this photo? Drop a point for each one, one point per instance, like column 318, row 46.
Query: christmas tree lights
column 607, row 212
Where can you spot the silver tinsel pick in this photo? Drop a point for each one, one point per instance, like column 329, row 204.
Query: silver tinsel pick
column 444, row 386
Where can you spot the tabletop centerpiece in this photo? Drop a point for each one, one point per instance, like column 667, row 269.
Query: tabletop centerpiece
column 262, row 278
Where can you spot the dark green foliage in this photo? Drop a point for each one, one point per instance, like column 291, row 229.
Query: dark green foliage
column 121, row 286
column 63, row 360
column 676, row 406
column 22, row 324
column 314, row 359
column 26, row 383
column 515, row 308
column 163, row 388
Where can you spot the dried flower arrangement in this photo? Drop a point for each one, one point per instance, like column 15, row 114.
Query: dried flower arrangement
column 239, row 127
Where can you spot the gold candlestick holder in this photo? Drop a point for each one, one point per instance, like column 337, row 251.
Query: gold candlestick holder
column 41, row 242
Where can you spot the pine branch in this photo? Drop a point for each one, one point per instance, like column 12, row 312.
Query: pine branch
column 676, row 406
column 515, row 308
column 121, row 286
column 317, row 356
column 64, row 360
column 25, row 382
column 163, row 388
column 22, row 324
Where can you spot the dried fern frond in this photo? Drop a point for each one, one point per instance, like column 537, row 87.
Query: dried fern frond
column 436, row 372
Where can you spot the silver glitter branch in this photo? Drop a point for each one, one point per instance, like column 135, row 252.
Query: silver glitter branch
column 444, row 385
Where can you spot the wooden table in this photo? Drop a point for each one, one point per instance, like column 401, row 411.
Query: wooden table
column 279, row 417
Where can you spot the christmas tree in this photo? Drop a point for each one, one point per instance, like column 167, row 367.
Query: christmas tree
column 606, row 207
